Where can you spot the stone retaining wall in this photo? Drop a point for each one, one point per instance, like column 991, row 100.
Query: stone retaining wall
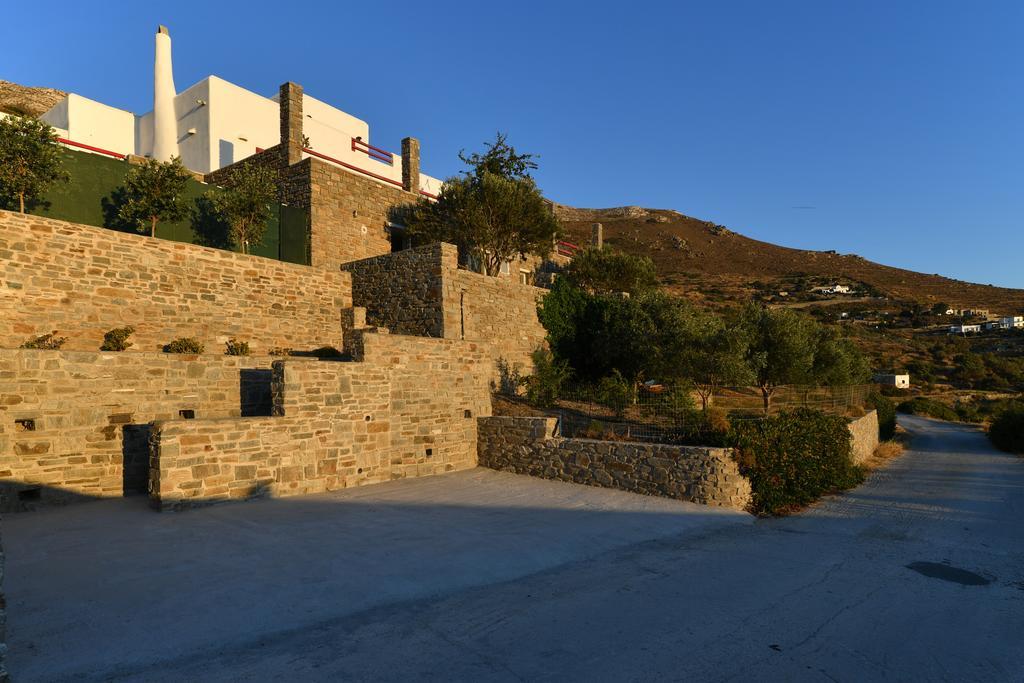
column 84, row 281
column 528, row 445
column 864, row 431
column 423, row 292
column 75, row 423
column 407, row 408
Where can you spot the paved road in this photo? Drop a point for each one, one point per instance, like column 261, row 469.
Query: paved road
column 916, row 575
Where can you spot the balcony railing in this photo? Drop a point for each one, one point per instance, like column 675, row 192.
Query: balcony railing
column 375, row 153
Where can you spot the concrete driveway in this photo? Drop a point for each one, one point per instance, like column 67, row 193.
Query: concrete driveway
column 917, row 575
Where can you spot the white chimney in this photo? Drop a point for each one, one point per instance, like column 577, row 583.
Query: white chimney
column 165, row 124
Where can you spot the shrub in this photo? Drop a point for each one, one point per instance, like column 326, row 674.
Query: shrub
column 1007, row 429
column 184, row 345
column 929, row 407
column 615, row 392
column 233, row 347
column 117, row 339
column 280, row 351
column 886, row 415
column 545, row 385
column 48, row 341
column 794, row 458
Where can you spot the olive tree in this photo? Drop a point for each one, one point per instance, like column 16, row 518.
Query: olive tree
column 245, row 203
column 154, row 191
column 608, row 270
column 29, row 158
column 780, row 347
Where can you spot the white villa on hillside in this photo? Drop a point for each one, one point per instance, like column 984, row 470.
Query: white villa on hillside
column 217, row 123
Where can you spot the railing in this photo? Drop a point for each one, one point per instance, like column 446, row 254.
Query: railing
column 98, row 150
column 351, row 167
column 376, row 153
column 566, row 248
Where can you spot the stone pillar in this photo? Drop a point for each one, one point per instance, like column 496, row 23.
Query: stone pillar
column 290, row 100
column 597, row 235
column 411, row 165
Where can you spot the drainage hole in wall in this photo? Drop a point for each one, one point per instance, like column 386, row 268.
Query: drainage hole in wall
column 467, row 413
column 30, row 494
column 430, row 452
column 368, row 418
column 359, row 471
column 187, row 414
column 25, row 425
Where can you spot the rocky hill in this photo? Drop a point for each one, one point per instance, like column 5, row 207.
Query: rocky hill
column 27, row 101
column 702, row 260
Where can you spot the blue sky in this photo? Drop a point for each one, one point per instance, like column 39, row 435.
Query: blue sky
column 900, row 123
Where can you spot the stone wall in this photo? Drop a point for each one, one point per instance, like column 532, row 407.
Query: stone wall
column 423, row 292
column 864, row 431
column 84, row 281
column 75, row 423
column 708, row 476
column 407, row 408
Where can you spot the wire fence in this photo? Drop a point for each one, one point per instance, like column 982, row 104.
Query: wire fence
column 666, row 415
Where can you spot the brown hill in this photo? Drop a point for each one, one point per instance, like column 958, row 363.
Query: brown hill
column 703, row 260
column 25, row 101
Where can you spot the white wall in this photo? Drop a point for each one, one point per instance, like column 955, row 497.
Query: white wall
column 93, row 123
column 240, row 121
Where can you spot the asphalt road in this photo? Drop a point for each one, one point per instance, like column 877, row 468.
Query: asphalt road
column 916, row 575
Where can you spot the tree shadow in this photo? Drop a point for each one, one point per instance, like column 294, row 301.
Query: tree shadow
column 210, row 229
column 111, row 206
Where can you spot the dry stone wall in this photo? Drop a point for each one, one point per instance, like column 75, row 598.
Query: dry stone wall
column 408, row 408
column 708, row 476
column 83, row 281
column 423, row 292
column 864, row 431
column 75, row 423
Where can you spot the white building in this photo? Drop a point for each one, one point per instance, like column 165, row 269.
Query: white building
column 834, row 289
column 898, row 381
column 1011, row 322
column 219, row 123
column 964, row 329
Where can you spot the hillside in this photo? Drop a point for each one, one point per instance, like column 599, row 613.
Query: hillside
column 701, row 260
column 27, row 101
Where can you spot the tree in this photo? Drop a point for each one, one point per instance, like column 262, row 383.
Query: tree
column 490, row 218
column 716, row 357
column 153, row 192
column 500, row 159
column 245, row 203
column 493, row 212
column 780, row 347
column 29, row 158
column 607, row 270
column 837, row 360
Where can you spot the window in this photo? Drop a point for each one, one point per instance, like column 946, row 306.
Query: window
column 524, row 277
column 505, row 269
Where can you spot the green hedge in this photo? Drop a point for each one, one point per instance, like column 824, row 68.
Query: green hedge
column 886, row 410
column 794, row 458
column 1007, row 429
column 90, row 198
column 928, row 407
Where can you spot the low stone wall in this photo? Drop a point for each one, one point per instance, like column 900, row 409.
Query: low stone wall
column 84, row 281
column 423, row 292
column 75, row 423
column 528, row 445
column 864, row 431
column 407, row 408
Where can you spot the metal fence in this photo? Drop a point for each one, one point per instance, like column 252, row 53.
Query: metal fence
column 664, row 415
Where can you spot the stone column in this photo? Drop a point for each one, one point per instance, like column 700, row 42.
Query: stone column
column 411, row 165
column 597, row 235
column 290, row 100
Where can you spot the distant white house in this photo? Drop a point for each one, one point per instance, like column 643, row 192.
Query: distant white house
column 964, row 329
column 834, row 289
column 892, row 380
column 1011, row 322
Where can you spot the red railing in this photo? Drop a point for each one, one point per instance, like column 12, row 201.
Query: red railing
column 351, row 167
column 98, row 150
column 381, row 155
column 566, row 248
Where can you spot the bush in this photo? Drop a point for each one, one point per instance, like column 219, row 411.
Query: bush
column 929, row 407
column 184, row 345
column 794, row 458
column 280, row 351
column 886, row 415
column 615, row 392
column 233, row 347
column 1007, row 429
column 544, row 386
column 117, row 339
column 48, row 341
